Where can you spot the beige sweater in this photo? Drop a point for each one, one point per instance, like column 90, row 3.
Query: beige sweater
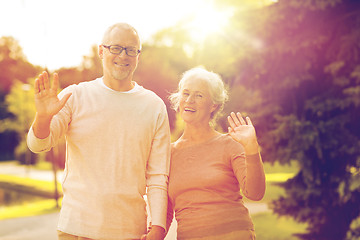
column 204, row 188
column 118, row 144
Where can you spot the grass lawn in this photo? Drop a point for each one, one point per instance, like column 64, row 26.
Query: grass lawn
column 28, row 209
column 269, row 226
column 43, row 203
column 28, row 183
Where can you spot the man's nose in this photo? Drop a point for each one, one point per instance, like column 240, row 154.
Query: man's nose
column 123, row 54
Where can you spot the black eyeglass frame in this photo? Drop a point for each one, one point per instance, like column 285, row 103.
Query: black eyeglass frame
column 122, row 49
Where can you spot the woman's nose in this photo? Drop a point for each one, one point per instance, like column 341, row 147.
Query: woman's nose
column 190, row 98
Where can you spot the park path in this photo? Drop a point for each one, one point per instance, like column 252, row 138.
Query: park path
column 43, row 227
column 14, row 168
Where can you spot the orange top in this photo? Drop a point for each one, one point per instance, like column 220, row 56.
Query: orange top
column 204, row 188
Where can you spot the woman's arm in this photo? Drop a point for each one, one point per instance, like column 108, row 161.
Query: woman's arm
column 244, row 132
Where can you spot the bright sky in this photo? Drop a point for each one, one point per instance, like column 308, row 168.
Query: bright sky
column 57, row 33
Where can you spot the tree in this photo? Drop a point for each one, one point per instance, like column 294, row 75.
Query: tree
column 159, row 70
column 14, row 67
column 8, row 139
column 12, row 59
column 20, row 104
column 307, row 76
column 90, row 69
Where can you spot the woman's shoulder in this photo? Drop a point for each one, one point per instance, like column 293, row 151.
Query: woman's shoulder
column 225, row 138
column 178, row 144
column 231, row 143
column 218, row 140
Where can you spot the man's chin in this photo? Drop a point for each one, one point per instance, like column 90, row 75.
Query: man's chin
column 120, row 75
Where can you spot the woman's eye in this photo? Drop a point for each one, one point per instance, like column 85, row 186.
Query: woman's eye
column 199, row 95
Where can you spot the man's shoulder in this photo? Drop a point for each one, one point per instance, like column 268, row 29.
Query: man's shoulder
column 151, row 94
column 81, row 85
column 88, row 83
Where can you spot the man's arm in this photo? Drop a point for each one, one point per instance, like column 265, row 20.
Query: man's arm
column 157, row 175
column 47, row 104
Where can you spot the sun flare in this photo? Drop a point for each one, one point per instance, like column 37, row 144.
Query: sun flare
column 207, row 21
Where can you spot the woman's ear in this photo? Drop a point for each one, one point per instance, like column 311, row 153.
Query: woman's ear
column 214, row 107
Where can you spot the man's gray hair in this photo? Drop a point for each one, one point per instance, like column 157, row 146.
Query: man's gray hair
column 119, row 25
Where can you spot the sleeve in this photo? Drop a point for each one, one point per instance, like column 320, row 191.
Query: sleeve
column 255, row 186
column 38, row 145
column 238, row 162
column 169, row 215
column 248, row 170
column 58, row 127
column 157, row 172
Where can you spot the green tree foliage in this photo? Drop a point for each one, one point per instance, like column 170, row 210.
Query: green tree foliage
column 12, row 59
column 159, row 70
column 14, row 67
column 90, row 69
column 306, row 72
column 20, row 104
column 8, row 138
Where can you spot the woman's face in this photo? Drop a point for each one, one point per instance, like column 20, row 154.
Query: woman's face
column 196, row 104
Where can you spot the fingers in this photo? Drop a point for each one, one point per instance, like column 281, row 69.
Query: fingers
column 56, row 82
column 248, row 121
column 43, row 78
column 36, row 86
column 236, row 120
column 241, row 119
column 231, row 122
column 39, row 82
column 43, row 83
column 46, row 81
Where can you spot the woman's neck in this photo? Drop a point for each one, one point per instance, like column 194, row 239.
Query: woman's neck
column 193, row 134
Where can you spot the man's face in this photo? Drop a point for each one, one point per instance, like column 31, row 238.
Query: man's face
column 119, row 67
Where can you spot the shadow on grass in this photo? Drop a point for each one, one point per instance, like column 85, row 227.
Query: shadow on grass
column 28, row 209
column 270, row 227
column 40, row 197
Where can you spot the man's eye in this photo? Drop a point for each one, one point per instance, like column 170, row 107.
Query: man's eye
column 131, row 50
column 116, row 49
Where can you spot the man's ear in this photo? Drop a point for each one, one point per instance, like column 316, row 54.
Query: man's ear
column 101, row 51
column 138, row 56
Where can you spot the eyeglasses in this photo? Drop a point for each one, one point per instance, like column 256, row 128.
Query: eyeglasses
column 115, row 49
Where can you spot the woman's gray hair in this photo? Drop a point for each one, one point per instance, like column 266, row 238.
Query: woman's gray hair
column 218, row 92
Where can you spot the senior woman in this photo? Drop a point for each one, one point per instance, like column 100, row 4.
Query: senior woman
column 209, row 168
